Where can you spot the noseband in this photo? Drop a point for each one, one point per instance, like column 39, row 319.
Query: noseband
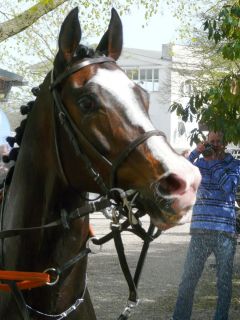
column 73, row 131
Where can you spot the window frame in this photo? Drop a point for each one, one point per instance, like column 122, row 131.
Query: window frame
column 144, row 75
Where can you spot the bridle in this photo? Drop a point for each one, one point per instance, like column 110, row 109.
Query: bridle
column 77, row 138
column 75, row 134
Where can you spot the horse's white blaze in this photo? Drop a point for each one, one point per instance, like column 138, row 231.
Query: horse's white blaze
column 121, row 87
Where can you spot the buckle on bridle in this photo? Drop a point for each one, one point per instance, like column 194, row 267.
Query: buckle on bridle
column 127, row 204
column 61, row 116
column 131, row 305
column 53, row 274
column 116, row 226
column 64, row 219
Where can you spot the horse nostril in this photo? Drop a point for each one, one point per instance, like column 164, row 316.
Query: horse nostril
column 172, row 185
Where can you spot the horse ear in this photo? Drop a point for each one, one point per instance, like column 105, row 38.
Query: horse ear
column 112, row 41
column 70, row 35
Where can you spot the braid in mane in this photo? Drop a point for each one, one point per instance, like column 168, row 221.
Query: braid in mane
column 17, row 139
column 84, row 52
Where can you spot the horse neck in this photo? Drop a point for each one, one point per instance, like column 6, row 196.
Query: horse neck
column 35, row 197
column 36, row 180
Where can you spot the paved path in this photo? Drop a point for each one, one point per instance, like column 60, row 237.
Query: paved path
column 159, row 280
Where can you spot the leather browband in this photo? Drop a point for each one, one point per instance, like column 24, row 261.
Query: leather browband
column 78, row 66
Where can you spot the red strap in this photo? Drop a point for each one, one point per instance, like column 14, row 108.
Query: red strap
column 24, row 280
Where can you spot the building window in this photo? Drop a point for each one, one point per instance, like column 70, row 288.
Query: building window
column 132, row 74
column 147, row 78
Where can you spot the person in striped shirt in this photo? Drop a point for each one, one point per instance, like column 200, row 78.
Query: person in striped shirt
column 213, row 226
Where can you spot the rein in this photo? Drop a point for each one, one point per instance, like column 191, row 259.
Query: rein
column 51, row 276
column 73, row 132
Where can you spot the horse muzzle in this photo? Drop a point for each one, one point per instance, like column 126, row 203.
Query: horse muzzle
column 174, row 195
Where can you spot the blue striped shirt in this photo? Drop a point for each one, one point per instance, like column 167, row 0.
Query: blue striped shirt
column 215, row 205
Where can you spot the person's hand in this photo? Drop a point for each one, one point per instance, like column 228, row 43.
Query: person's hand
column 200, row 147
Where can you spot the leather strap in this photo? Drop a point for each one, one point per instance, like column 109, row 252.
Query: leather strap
column 123, row 263
column 83, row 253
column 79, row 213
column 23, row 280
column 131, row 147
column 76, row 67
column 74, row 133
column 19, row 299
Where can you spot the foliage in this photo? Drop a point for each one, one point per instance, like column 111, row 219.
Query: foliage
column 225, row 29
column 30, row 52
column 217, row 105
column 37, row 43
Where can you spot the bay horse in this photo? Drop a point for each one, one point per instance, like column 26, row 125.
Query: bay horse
column 88, row 131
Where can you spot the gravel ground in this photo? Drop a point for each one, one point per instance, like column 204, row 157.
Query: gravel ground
column 159, row 281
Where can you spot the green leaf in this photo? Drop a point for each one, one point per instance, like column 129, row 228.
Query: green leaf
column 205, row 25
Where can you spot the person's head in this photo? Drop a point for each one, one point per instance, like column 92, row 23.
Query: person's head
column 216, row 139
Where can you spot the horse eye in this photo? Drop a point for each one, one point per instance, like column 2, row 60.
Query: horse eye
column 87, row 104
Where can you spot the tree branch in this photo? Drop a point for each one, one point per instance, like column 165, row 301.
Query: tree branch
column 11, row 27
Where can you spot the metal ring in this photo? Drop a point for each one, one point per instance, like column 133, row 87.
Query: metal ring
column 91, row 240
column 52, row 270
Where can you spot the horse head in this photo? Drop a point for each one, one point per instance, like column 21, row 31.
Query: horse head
column 109, row 117
column 88, row 131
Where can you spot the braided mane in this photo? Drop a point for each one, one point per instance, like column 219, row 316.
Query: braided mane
column 17, row 139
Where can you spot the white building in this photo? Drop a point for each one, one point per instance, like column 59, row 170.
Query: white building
column 166, row 75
